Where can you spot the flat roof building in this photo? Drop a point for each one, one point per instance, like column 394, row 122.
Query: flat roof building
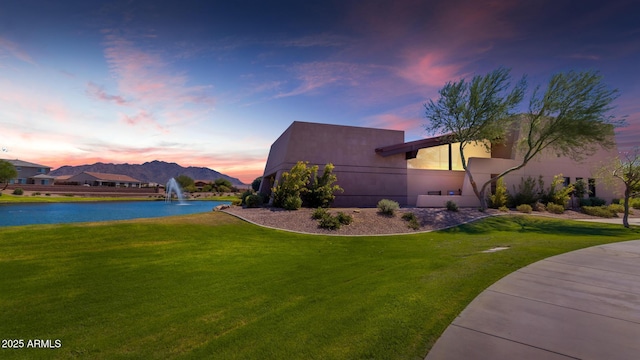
column 374, row 164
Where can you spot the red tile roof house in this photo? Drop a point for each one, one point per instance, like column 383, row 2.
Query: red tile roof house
column 30, row 173
column 103, row 179
column 374, row 164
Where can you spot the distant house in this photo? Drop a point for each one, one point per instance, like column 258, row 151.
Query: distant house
column 102, row 179
column 199, row 184
column 30, row 173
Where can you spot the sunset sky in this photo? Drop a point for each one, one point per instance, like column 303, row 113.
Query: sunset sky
column 214, row 83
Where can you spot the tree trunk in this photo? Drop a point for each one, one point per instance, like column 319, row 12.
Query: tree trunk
column 479, row 194
column 625, row 217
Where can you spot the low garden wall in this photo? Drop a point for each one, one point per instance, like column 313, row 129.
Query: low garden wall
column 441, row 200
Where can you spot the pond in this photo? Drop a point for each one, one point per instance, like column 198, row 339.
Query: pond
column 56, row 213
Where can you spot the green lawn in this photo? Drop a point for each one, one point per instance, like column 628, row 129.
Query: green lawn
column 209, row 286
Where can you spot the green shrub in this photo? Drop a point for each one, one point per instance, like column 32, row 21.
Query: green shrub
column 18, row 191
column 303, row 182
column 581, row 188
column 290, row 186
column 344, row 219
column 319, row 213
column 388, row 207
column 634, row 203
column 555, row 208
column 592, row 201
column 409, row 216
column 451, row 206
column 412, row 219
column 616, row 208
column 524, row 208
column 600, row 211
column 503, row 209
column 253, row 201
column 292, row 202
column 501, row 196
column 244, row 196
column 236, row 202
column 538, row 206
column 320, row 190
column 329, row 222
column 582, row 202
column 557, row 193
column 528, row 191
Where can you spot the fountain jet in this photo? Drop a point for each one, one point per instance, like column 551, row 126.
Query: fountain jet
column 173, row 186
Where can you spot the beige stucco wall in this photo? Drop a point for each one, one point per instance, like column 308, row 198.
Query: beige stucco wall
column 368, row 177
column 548, row 165
column 365, row 176
column 421, row 182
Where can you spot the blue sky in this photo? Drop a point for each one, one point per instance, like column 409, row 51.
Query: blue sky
column 214, row 83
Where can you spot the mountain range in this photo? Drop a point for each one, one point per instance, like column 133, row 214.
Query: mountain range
column 150, row 172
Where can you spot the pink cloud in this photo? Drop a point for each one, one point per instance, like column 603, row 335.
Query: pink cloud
column 430, row 69
column 395, row 122
column 142, row 119
column 316, row 75
column 98, row 92
column 15, row 50
column 434, row 40
column 27, row 104
column 144, row 77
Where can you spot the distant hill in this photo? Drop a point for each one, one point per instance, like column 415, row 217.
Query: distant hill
column 154, row 171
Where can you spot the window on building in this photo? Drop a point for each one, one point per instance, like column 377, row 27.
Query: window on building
column 592, row 187
column 567, row 181
column 439, row 158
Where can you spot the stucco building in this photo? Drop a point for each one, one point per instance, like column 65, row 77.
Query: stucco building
column 103, row 179
column 374, row 164
column 31, row 173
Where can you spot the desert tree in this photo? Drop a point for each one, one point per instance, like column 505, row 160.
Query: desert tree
column 627, row 169
column 569, row 117
column 255, row 185
column 7, row 172
column 474, row 112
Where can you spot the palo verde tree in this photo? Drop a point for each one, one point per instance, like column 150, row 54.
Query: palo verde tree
column 7, row 172
column 569, row 117
column 627, row 170
column 474, row 112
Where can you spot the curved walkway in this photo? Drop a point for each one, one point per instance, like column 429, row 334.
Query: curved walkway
column 580, row 305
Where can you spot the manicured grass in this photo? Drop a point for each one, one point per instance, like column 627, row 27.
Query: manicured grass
column 8, row 198
column 209, row 286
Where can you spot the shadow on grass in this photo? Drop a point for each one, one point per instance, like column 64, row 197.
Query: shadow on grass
column 529, row 224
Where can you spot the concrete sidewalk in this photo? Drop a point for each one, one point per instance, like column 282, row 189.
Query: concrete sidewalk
column 632, row 220
column 580, row 305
